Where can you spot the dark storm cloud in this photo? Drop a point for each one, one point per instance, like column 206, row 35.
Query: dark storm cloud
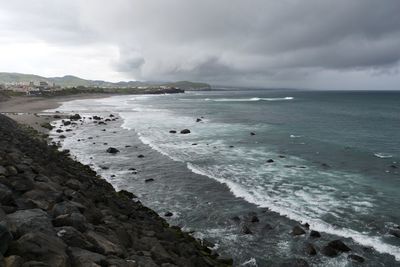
column 225, row 41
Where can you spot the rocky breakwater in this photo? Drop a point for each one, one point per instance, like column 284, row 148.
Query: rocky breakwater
column 57, row 212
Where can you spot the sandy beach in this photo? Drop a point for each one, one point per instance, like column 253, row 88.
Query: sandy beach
column 25, row 109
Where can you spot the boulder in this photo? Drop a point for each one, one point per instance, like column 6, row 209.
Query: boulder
column 168, row 214
column 198, row 120
column 395, row 232
column 252, row 133
column 356, row 258
column 66, row 123
column 82, row 258
column 75, row 220
column 315, row 234
column 246, row 230
column 67, row 207
column 126, row 194
column 270, row 161
column 140, row 156
column 254, row 219
column 25, row 221
column 295, row 263
column 75, row 117
column 104, row 245
column 74, row 238
column 6, row 196
column 329, row 251
column 172, row 131
column 42, row 247
column 112, row 150
column 185, row 131
column 5, row 238
column 297, row 230
column 310, row 249
column 338, row 245
column 13, row 261
column 149, row 180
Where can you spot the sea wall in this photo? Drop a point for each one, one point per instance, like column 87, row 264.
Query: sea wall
column 57, row 212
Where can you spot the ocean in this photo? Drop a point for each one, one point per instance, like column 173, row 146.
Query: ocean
column 330, row 159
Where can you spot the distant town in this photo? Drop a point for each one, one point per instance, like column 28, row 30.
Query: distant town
column 44, row 88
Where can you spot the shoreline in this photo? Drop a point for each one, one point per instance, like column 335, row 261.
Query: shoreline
column 145, row 229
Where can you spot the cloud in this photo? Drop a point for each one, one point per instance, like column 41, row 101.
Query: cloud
column 264, row 43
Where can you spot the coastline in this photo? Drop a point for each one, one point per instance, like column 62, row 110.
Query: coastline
column 24, row 109
column 88, row 222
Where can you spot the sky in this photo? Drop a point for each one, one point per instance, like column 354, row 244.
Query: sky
column 319, row 44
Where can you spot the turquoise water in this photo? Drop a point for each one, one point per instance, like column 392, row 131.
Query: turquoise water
column 335, row 164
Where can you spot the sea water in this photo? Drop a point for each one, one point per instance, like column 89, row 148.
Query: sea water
column 331, row 159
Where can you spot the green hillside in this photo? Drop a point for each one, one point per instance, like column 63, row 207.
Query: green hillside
column 73, row 81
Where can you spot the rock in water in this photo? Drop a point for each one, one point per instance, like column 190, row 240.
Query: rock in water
column 75, row 117
column 168, row 214
column 198, row 120
column 310, row 249
column 185, row 131
column 172, row 131
column 149, row 180
column 315, row 234
column 112, row 150
column 356, row 258
column 246, row 230
column 329, row 252
column 270, row 161
column 395, row 232
column 339, row 246
column 252, row 133
column 297, row 230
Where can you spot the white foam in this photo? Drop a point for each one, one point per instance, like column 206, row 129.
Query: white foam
column 263, row 201
column 252, row 99
column 383, row 155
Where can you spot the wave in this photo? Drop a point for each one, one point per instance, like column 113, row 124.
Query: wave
column 253, row 99
column 316, row 224
column 383, row 155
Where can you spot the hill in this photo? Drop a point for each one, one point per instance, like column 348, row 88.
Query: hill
column 73, row 81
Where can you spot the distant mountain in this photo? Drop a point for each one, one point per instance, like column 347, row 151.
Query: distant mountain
column 73, row 81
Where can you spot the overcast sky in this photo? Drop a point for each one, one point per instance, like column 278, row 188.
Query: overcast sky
column 335, row 44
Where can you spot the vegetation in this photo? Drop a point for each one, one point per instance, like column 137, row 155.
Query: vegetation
column 73, row 81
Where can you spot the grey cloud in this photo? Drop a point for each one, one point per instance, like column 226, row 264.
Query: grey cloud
column 225, row 41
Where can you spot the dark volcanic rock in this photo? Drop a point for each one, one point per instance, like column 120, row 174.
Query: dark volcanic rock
column 295, row 263
column 356, row 258
column 172, row 131
column 57, row 212
column 41, row 247
column 310, row 249
column 75, row 117
column 185, row 131
column 252, row 133
column 246, row 230
column 339, row 245
column 315, row 234
column 140, row 156
column 5, row 239
column 168, row 214
column 270, row 161
column 395, row 232
column 112, row 150
column 149, row 180
column 24, row 221
column 297, row 230
column 198, row 120
column 329, row 251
